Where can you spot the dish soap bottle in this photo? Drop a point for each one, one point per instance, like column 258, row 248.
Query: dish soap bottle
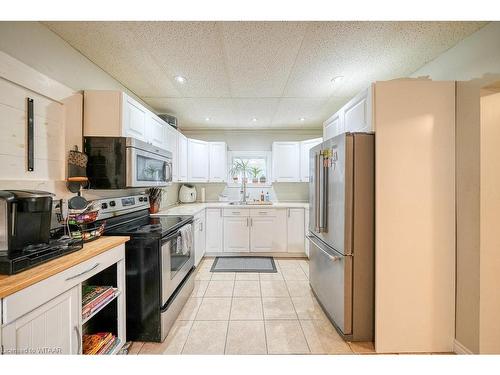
column 267, row 197
column 262, row 196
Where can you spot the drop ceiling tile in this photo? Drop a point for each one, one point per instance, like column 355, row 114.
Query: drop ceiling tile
column 115, row 48
column 194, row 111
column 367, row 51
column 262, row 109
column 240, row 70
column 290, row 110
column 260, row 55
column 189, row 49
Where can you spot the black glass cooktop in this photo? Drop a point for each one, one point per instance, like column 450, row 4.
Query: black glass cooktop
column 148, row 225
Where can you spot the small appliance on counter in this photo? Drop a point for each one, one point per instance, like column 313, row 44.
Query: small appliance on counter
column 187, row 193
column 25, row 236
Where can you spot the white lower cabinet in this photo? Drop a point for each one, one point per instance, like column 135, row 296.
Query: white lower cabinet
column 53, row 328
column 259, row 230
column 296, row 230
column 236, row 234
column 46, row 317
column 268, row 230
column 199, row 237
column 214, row 230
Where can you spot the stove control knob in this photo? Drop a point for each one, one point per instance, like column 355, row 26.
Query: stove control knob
column 141, row 199
column 112, row 203
column 145, row 199
column 104, row 206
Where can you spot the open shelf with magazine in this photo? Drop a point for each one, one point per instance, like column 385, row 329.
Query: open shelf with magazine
column 102, row 313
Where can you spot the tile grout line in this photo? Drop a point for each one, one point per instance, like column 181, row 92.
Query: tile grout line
column 229, row 317
column 263, row 317
column 194, row 319
column 295, row 310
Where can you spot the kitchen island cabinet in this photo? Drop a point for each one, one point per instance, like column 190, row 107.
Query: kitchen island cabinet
column 42, row 307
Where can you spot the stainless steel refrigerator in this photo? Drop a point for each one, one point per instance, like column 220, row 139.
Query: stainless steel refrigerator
column 341, row 232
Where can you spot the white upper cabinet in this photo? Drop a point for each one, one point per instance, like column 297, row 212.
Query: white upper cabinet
column 157, row 131
column 172, row 145
column 182, row 155
column 218, row 162
column 135, row 119
column 115, row 114
column 286, row 161
column 305, row 147
column 358, row 114
column 198, row 161
column 333, row 126
column 355, row 116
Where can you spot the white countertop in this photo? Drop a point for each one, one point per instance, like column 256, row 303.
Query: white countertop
column 194, row 208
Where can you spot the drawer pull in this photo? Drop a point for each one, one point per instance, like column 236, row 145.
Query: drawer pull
column 236, row 212
column 263, row 212
column 83, row 273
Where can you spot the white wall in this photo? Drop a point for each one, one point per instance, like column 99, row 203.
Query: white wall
column 475, row 62
column 415, row 216
column 37, row 46
column 253, row 140
column 489, row 340
column 258, row 140
column 477, row 56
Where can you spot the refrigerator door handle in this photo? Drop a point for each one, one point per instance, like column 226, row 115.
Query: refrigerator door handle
column 317, row 197
column 333, row 258
column 324, row 201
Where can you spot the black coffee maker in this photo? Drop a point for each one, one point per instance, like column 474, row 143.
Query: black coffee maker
column 24, row 219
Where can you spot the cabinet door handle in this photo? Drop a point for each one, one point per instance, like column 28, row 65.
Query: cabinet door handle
column 247, row 222
column 83, row 273
column 78, row 340
column 251, row 222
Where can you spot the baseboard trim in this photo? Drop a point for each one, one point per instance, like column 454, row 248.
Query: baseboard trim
column 458, row 348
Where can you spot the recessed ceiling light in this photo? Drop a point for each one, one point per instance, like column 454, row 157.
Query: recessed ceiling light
column 254, row 119
column 302, row 119
column 180, row 79
column 207, row 118
column 337, row 79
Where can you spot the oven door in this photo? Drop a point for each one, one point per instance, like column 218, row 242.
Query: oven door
column 176, row 263
column 146, row 169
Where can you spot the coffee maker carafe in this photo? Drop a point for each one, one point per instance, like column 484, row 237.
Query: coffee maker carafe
column 24, row 219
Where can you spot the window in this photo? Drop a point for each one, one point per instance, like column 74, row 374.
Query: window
column 254, row 164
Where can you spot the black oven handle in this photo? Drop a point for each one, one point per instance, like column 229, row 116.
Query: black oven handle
column 171, row 236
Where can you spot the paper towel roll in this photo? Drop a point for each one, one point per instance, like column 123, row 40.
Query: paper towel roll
column 202, row 195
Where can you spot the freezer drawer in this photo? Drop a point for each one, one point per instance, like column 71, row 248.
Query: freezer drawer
column 331, row 280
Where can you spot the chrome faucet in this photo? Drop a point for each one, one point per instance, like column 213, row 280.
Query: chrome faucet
column 243, row 190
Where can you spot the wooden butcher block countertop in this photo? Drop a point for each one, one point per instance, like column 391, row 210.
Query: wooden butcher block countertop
column 10, row 284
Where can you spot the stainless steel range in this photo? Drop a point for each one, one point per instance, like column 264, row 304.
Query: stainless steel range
column 159, row 262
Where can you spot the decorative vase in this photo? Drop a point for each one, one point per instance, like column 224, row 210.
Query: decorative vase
column 255, row 180
column 262, row 179
column 154, row 207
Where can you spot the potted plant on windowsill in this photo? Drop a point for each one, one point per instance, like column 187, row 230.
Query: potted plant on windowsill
column 239, row 167
column 255, row 171
column 262, row 179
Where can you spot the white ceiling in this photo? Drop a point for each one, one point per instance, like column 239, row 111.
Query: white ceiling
column 277, row 72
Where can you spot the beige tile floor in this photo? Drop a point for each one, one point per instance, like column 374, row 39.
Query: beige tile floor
column 251, row 313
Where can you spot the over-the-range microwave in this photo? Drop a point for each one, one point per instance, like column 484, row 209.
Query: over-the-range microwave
column 124, row 162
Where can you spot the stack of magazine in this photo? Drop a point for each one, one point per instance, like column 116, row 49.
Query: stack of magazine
column 95, row 297
column 100, row 343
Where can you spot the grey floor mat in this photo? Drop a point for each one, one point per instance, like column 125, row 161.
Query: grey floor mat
column 243, row 264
